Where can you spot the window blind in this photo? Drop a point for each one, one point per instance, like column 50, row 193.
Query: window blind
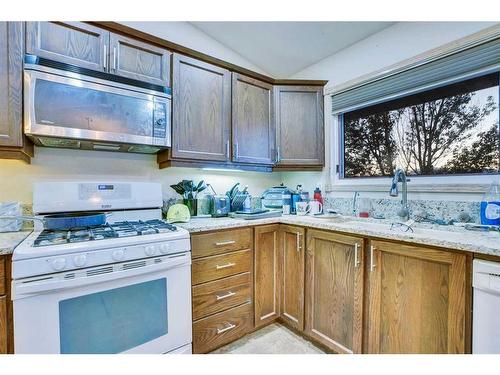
column 468, row 63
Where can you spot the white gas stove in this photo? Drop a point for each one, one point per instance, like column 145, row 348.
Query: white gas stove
column 120, row 287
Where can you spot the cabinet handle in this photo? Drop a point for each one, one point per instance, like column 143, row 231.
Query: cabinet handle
column 222, row 330
column 114, row 58
column 356, row 255
column 298, row 242
column 225, row 266
column 236, row 151
column 105, row 57
column 224, row 243
column 372, row 264
column 227, row 149
column 224, row 296
column 278, row 154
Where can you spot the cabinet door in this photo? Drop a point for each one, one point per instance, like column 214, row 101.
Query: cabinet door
column 299, row 125
column 417, row 300
column 266, row 285
column 201, row 110
column 74, row 43
column 140, row 61
column 11, row 79
column 253, row 125
column 334, row 290
column 292, row 269
column 3, row 324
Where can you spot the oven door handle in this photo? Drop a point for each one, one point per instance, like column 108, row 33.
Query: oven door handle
column 23, row 289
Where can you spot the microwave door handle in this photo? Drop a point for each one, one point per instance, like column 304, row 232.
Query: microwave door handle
column 20, row 290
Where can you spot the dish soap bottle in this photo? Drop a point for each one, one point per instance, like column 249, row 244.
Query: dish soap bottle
column 490, row 206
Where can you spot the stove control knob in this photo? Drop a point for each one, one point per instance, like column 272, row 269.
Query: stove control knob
column 164, row 248
column 118, row 255
column 80, row 260
column 59, row 264
column 150, row 250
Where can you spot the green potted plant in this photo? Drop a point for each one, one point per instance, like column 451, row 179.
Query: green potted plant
column 189, row 191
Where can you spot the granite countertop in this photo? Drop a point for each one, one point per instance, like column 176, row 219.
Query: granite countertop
column 10, row 240
column 451, row 237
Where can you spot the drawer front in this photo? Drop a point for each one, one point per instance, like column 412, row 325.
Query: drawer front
column 3, row 274
column 219, row 266
column 203, row 245
column 219, row 329
column 220, row 295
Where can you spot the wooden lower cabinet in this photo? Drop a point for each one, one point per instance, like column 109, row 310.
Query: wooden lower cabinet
column 222, row 287
column 334, row 290
column 3, row 325
column 223, row 294
column 267, row 279
column 222, row 328
column 417, row 300
column 292, row 264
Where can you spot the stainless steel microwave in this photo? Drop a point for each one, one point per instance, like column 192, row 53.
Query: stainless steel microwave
column 71, row 110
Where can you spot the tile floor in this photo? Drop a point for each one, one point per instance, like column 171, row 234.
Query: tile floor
column 272, row 339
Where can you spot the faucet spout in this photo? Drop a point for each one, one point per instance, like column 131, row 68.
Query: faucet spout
column 400, row 176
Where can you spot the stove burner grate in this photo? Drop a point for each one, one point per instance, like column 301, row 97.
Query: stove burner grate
column 114, row 230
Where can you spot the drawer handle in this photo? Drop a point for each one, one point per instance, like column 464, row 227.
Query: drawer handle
column 224, row 243
column 228, row 328
column 225, row 266
column 224, row 296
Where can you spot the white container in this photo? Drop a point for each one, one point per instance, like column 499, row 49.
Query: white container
column 10, row 209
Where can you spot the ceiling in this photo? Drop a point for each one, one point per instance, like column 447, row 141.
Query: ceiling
column 284, row 48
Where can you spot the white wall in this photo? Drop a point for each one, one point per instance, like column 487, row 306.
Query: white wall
column 387, row 47
column 16, row 177
column 187, row 35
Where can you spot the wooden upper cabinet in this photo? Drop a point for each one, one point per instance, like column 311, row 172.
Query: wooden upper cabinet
column 299, row 125
column 74, row 43
column 334, row 290
column 253, row 126
column 417, row 300
column 144, row 62
column 267, row 279
column 292, row 270
column 11, row 79
column 13, row 145
column 201, row 122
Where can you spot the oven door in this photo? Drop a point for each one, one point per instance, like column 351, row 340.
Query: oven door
column 132, row 307
column 60, row 104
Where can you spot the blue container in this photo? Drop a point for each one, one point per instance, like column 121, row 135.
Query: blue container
column 490, row 213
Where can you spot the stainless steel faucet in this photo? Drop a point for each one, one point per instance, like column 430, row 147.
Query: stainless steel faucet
column 354, row 200
column 399, row 175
